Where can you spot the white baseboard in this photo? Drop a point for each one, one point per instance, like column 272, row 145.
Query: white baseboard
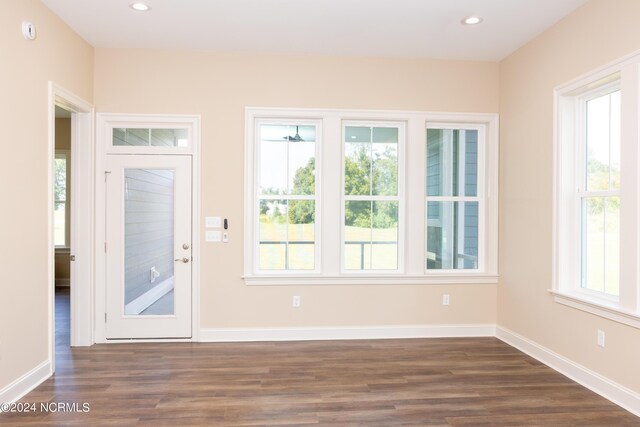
column 616, row 393
column 344, row 333
column 25, row 383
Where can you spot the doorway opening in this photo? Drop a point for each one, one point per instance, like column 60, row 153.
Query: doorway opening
column 62, row 221
column 71, row 226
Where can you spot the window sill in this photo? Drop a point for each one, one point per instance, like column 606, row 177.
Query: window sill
column 286, row 280
column 599, row 308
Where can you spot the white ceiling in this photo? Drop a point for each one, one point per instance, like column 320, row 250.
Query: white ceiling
column 400, row 28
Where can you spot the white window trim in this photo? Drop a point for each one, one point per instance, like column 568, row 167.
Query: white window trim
column 568, row 99
column 414, row 272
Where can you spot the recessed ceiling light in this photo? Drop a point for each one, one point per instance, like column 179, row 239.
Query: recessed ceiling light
column 140, row 7
column 472, row 20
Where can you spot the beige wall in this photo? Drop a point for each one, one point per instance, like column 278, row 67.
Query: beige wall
column 60, row 55
column 218, row 87
column 63, row 134
column 599, row 32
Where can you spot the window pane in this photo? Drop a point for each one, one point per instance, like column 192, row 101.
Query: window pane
column 148, row 240
column 60, row 176
column 301, row 235
column 355, row 134
column 273, row 234
column 288, row 133
column 384, row 236
column 612, row 246
column 452, row 162
column 452, row 235
column 357, row 169
column 357, row 235
column 371, row 161
column 371, row 235
column 287, row 159
column 273, row 167
column 601, row 246
column 615, row 140
column 59, row 224
column 169, row 137
column 385, row 169
column 287, row 235
column 384, row 135
column 603, row 142
column 302, row 168
column 134, row 137
column 150, row 137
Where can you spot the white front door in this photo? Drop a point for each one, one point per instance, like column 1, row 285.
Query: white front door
column 148, row 246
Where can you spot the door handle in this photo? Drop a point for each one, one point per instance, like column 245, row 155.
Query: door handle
column 185, row 259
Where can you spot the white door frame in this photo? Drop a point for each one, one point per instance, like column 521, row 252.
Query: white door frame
column 82, row 143
column 104, row 121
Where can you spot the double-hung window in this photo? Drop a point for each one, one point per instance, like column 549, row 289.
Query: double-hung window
column 596, row 187
column 454, row 197
column 370, row 197
column 599, row 191
column 286, row 195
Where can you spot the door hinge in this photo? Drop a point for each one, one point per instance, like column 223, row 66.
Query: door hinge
column 105, row 246
column 106, row 174
column 105, row 318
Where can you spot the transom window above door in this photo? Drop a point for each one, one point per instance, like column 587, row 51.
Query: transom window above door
column 142, row 134
column 146, row 137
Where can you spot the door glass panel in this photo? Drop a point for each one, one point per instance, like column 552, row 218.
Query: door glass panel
column 149, row 241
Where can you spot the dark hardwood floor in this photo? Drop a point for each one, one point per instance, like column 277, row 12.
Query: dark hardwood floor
column 420, row 382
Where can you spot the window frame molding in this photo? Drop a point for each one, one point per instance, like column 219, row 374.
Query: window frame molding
column 412, row 271
column 569, row 100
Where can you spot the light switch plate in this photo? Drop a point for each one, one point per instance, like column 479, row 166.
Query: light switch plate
column 213, row 236
column 212, row 222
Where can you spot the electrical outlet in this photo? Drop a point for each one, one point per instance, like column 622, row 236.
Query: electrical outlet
column 600, row 338
column 445, row 299
column 295, row 301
